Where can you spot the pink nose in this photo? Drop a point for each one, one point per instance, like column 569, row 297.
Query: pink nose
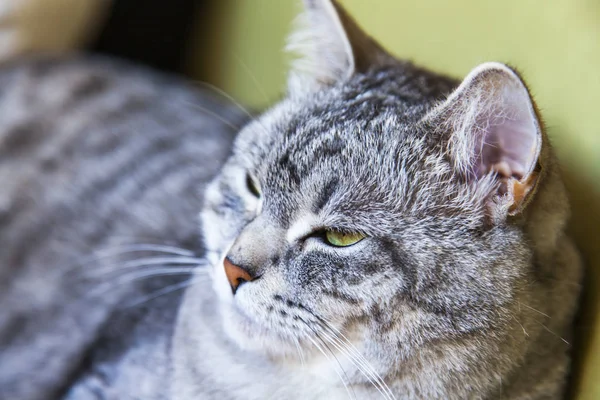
column 236, row 275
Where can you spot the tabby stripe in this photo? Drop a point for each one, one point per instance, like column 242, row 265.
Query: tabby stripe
column 105, row 184
column 137, row 192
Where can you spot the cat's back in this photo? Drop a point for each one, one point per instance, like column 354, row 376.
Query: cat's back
column 94, row 155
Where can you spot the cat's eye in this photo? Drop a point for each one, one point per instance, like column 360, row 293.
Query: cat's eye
column 341, row 239
column 252, row 185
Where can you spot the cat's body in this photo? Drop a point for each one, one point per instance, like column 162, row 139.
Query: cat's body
column 383, row 232
column 93, row 155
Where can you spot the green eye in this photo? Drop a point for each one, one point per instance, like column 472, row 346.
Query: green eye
column 340, row 239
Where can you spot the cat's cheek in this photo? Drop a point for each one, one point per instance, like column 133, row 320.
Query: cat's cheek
column 211, row 235
column 251, row 318
column 221, row 284
column 236, row 328
column 218, row 231
column 240, row 328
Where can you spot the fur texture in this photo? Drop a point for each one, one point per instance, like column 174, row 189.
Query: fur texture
column 464, row 285
column 99, row 163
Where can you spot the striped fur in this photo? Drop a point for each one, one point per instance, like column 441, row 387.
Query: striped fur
column 463, row 286
column 94, row 156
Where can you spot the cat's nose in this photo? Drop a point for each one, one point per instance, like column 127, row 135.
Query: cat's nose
column 236, row 275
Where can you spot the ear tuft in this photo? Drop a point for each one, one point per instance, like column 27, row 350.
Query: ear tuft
column 330, row 45
column 494, row 128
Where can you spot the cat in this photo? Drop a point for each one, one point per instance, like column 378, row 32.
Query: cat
column 382, row 232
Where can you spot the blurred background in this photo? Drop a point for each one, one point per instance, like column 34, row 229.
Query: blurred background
column 237, row 45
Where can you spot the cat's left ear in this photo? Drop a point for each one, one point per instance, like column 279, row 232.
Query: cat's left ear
column 332, row 47
column 492, row 126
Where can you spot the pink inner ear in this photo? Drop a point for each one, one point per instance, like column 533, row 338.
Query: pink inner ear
column 510, row 139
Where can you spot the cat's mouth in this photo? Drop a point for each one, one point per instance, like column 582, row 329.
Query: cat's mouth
column 259, row 331
column 251, row 321
column 262, row 317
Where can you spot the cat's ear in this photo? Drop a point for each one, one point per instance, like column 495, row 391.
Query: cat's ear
column 493, row 127
column 331, row 46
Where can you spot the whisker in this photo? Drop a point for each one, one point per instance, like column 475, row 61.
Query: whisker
column 366, row 364
column 554, row 333
column 331, row 352
column 362, row 365
column 235, row 102
column 533, row 309
column 147, row 247
column 217, row 116
column 336, row 360
column 142, row 262
column 329, row 359
column 227, row 96
column 167, row 290
column 300, row 352
column 128, row 278
column 127, row 249
column 521, row 325
column 252, row 77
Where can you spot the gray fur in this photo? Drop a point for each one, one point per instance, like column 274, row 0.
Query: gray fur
column 464, row 287
column 96, row 156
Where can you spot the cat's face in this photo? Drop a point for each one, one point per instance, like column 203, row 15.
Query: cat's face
column 367, row 204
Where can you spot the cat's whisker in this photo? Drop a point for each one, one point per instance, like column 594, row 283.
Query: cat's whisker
column 235, row 102
column 142, row 262
column 135, row 247
column 342, row 349
column 168, row 289
column 127, row 249
column 553, row 333
column 226, row 95
column 362, row 365
column 533, row 309
column 252, row 77
column 370, row 369
column 329, row 359
column 217, row 116
column 130, row 278
column 542, row 324
column 317, row 336
column 520, row 324
column 366, row 369
column 300, row 352
column 325, row 343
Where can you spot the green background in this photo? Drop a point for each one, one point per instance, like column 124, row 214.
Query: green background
column 554, row 43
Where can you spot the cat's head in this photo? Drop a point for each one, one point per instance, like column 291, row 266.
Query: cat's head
column 379, row 200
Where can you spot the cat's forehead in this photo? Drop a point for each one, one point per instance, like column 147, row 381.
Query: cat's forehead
column 336, row 166
column 344, row 148
column 387, row 99
column 340, row 132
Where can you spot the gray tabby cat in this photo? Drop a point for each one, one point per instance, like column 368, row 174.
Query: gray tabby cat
column 382, row 232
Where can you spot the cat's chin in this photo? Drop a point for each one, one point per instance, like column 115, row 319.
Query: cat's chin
column 251, row 335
